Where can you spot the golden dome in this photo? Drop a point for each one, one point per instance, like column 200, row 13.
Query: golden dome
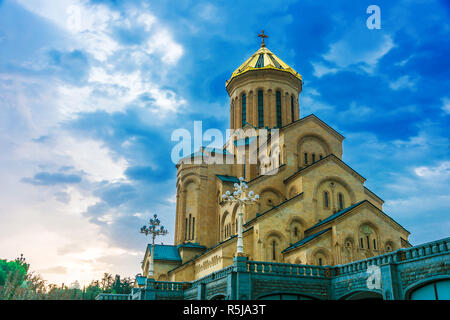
column 264, row 59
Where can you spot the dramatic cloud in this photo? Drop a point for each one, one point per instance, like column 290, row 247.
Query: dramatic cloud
column 90, row 92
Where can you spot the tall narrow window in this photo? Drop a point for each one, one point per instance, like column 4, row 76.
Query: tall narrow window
column 260, row 109
column 189, row 230
column 295, row 231
column 292, row 108
column 368, row 242
column 325, row 199
column 244, row 109
column 362, row 243
column 375, row 244
column 236, row 226
column 185, row 230
column 274, row 257
column 313, row 157
column 341, row 201
column 320, row 157
column 306, row 158
column 320, row 261
column 193, row 228
column 278, row 105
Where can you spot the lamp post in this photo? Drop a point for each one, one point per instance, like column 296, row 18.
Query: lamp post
column 154, row 231
column 241, row 197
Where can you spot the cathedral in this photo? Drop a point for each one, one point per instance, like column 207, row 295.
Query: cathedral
column 276, row 214
column 313, row 208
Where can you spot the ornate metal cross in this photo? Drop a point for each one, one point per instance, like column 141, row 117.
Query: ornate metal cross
column 262, row 36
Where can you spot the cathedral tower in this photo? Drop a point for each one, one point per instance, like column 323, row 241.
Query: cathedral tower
column 264, row 91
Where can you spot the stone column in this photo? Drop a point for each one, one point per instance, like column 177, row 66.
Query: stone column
column 267, row 94
column 231, row 114
column 273, row 110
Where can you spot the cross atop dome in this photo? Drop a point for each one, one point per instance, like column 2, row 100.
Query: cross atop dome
column 262, row 36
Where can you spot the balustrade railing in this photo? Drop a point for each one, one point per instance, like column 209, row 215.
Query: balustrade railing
column 167, row 285
column 400, row 255
column 213, row 276
column 275, row 268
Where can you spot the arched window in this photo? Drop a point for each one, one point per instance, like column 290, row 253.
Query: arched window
column 244, row 109
column 189, row 231
column 321, row 157
column 361, row 243
column 260, row 109
column 278, row 106
column 341, row 201
column 326, row 203
column 374, row 244
column 313, row 157
column 186, row 230
column 295, row 231
column 306, row 158
column 292, row 109
column 274, row 255
column 368, row 242
column 320, row 261
column 193, row 228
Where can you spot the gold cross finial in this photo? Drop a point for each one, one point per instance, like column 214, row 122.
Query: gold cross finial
column 262, row 36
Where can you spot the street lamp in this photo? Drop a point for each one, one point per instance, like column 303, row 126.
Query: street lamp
column 241, row 197
column 154, row 231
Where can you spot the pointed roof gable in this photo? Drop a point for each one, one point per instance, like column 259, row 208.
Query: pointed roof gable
column 330, row 157
column 349, row 209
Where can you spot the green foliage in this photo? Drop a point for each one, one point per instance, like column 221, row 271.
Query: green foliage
column 16, row 283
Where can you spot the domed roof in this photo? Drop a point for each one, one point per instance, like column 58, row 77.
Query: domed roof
column 264, row 59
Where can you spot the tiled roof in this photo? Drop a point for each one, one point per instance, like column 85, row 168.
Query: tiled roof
column 141, row 280
column 227, row 178
column 165, row 252
column 191, row 245
column 306, row 240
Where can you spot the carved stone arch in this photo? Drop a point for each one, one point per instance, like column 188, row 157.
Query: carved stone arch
column 317, row 204
column 348, row 249
column 162, row 277
column 321, row 253
column 295, row 222
column 389, row 245
column 190, row 206
column 190, row 177
column 293, row 191
column 269, row 197
column 274, row 237
column 308, row 137
column 372, row 234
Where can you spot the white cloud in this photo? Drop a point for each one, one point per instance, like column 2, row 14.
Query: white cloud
column 365, row 53
column 442, row 171
column 404, row 82
column 446, row 105
column 320, row 69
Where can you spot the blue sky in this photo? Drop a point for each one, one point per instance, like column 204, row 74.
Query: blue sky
column 90, row 92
